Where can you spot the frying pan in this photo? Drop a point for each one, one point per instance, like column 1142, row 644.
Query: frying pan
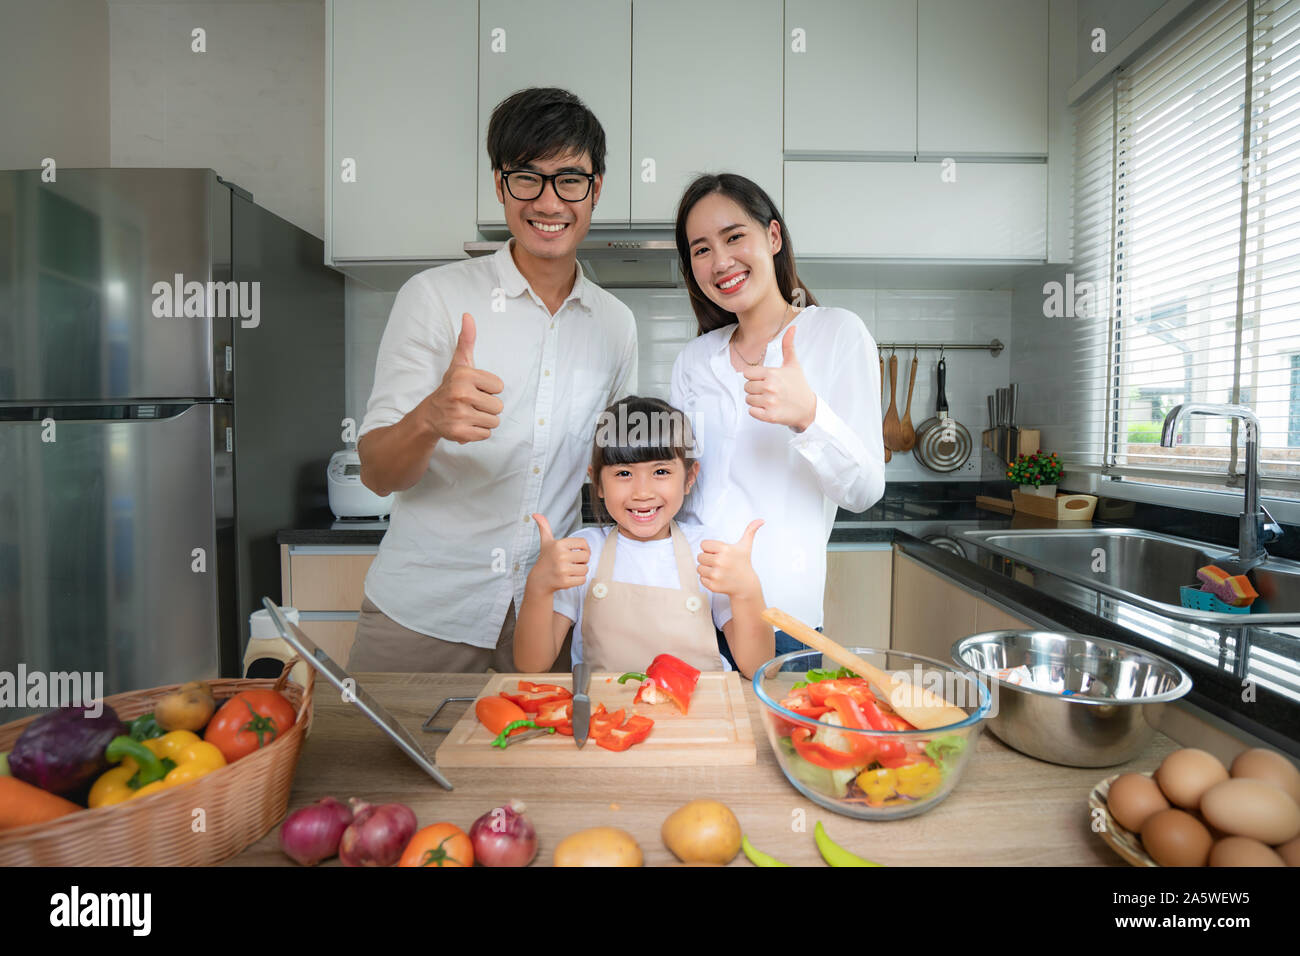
column 942, row 443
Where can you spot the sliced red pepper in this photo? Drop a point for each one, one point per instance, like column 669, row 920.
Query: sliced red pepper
column 823, row 756
column 602, row 721
column 855, row 687
column 889, row 751
column 531, row 696
column 800, row 703
column 634, row 731
column 668, row 678
column 557, row 714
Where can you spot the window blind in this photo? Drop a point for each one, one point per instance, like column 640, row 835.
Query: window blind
column 1196, row 249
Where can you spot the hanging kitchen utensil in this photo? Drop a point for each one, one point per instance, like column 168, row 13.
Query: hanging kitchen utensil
column 908, row 433
column 888, row 454
column 892, row 427
column 942, row 443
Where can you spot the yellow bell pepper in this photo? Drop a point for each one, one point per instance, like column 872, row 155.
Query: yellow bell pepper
column 918, row 779
column 152, row 765
column 879, row 784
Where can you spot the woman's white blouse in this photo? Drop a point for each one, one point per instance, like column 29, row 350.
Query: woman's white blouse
column 795, row 482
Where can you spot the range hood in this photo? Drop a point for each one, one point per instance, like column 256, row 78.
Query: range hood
column 626, row 260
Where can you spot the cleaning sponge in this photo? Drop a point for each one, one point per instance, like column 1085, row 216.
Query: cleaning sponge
column 1234, row 589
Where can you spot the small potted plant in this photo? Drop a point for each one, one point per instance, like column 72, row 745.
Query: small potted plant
column 1037, row 473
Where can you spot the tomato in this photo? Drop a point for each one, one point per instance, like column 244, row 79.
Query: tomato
column 440, row 844
column 250, row 720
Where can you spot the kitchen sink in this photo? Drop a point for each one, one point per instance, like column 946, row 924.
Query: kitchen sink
column 1146, row 568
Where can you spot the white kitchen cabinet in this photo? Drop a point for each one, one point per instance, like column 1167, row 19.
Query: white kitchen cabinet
column 850, row 77
column 578, row 45
column 396, row 111
column 894, row 210
column 706, row 97
column 982, row 77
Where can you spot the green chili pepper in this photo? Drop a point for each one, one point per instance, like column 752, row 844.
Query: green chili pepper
column 758, row 857
column 632, row 676
column 833, row 853
column 515, row 725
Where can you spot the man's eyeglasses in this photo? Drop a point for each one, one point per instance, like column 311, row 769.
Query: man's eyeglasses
column 526, row 186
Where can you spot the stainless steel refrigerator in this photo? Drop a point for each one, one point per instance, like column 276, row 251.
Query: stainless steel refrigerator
column 171, row 388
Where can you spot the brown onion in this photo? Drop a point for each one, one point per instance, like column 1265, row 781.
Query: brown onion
column 377, row 835
column 312, row 833
column 504, row 837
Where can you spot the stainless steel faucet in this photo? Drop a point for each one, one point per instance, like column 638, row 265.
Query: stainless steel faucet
column 1257, row 525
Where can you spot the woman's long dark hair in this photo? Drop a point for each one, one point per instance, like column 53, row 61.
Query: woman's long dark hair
column 759, row 207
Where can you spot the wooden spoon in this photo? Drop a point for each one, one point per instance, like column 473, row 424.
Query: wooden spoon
column 888, row 454
column 919, row 706
column 908, row 432
column 892, row 428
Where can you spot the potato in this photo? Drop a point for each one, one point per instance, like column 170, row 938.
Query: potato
column 189, row 708
column 703, row 831
column 598, row 846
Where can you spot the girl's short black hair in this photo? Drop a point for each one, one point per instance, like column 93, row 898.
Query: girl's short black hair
column 638, row 429
column 541, row 123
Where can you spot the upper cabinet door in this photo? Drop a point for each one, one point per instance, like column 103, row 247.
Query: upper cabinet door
column 400, row 118
column 578, row 45
column 982, row 68
column 706, row 97
column 850, row 77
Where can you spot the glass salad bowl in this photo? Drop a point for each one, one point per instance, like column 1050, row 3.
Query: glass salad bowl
column 887, row 770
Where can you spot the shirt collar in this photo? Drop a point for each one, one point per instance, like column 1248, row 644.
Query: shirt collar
column 513, row 282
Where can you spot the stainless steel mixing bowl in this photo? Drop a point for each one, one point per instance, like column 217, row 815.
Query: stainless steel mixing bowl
column 1090, row 702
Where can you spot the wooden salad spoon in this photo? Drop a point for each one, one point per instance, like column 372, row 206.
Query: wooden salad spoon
column 892, row 427
column 908, row 432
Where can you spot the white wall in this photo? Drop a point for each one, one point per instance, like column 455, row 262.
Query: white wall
column 665, row 323
column 252, row 107
column 54, row 66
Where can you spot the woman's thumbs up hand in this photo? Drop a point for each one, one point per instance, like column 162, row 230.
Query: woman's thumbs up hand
column 560, row 564
column 781, row 394
column 726, row 568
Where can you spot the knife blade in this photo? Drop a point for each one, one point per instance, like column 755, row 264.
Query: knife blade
column 581, row 703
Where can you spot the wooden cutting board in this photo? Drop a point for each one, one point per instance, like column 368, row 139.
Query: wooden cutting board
column 715, row 732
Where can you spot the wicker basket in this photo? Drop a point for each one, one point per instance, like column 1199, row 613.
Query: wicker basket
column 240, row 802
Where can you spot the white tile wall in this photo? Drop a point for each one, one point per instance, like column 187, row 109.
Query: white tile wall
column 665, row 323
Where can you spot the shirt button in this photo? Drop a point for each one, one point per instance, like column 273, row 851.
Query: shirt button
column 552, row 325
column 516, row 567
column 536, row 470
column 546, row 371
column 541, row 421
column 526, row 519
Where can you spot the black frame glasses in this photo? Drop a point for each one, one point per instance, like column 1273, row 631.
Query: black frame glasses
column 545, row 178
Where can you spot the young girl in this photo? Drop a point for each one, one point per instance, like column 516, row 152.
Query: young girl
column 634, row 589
column 784, row 393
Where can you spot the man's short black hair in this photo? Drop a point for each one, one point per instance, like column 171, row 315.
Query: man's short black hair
column 541, row 123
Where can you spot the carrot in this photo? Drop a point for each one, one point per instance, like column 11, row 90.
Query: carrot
column 495, row 713
column 22, row 804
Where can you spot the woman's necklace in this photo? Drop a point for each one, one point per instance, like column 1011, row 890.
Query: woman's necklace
column 763, row 353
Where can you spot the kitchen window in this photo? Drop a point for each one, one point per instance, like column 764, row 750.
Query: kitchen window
column 1187, row 244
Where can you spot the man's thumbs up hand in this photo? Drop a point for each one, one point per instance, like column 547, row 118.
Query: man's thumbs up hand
column 781, row 395
column 465, row 407
column 727, row 569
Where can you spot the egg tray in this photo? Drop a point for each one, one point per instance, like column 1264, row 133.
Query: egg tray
column 1123, row 841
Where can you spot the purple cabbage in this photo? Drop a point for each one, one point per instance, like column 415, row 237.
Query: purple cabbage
column 64, row 749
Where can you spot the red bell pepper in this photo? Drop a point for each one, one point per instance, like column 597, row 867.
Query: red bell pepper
column 666, row 679
column 855, row 687
column 602, row 721
column 531, row 696
column 863, row 714
column 829, row 757
column 557, row 714
column 634, row 731
column 800, row 703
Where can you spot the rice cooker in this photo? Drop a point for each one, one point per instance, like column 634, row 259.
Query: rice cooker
column 349, row 498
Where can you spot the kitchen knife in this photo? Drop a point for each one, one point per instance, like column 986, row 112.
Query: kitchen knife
column 581, row 702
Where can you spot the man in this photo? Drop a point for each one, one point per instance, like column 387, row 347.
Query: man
column 490, row 377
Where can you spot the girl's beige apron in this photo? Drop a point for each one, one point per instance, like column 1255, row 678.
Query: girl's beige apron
column 625, row 625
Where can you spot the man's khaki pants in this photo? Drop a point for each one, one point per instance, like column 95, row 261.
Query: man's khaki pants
column 384, row 645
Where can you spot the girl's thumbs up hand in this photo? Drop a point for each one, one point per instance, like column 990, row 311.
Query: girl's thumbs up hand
column 726, row 568
column 781, row 394
column 560, row 564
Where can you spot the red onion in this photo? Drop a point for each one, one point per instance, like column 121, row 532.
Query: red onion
column 377, row 835
column 312, row 833
column 504, row 837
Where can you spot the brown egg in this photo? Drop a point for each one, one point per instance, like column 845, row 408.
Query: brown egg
column 1176, row 838
column 1243, row 851
column 1186, row 774
column 1132, row 798
column 1261, row 764
column 1252, row 808
column 1290, row 852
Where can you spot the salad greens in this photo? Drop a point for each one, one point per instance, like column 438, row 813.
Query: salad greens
column 816, row 675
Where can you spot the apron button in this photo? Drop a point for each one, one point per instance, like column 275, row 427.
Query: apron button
column 598, row 590
column 693, row 603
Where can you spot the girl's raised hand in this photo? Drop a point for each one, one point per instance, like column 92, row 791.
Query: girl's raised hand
column 726, row 568
column 781, row 395
column 561, row 564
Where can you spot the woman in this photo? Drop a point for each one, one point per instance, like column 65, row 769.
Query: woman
column 784, row 394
